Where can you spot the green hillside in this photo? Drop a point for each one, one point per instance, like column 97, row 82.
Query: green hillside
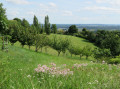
column 17, row 71
column 75, row 41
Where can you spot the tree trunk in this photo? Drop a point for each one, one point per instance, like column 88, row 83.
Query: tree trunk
column 3, row 44
column 41, row 49
column 58, row 53
column 86, row 57
column 12, row 44
column 22, row 46
column 80, row 56
column 36, row 50
column 46, row 49
column 29, row 47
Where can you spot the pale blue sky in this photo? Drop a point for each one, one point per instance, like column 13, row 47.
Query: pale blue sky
column 65, row 11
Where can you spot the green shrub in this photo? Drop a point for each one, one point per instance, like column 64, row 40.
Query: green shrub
column 115, row 60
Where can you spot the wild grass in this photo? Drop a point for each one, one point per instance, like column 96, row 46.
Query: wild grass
column 17, row 71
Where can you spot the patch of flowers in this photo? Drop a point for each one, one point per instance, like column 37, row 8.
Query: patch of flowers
column 79, row 65
column 53, row 70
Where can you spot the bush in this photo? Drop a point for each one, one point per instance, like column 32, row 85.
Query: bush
column 115, row 60
column 100, row 54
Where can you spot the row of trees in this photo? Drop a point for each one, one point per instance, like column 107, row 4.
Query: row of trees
column 101, row 38
column 104, row 39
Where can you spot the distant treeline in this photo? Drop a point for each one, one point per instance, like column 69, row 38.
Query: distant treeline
column 91, row 26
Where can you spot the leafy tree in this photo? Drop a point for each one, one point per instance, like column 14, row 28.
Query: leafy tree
column 35, row 21
column 72, row 29
column 87, row 51
column 37, row 24
column 40, row 41
column 39, row 28
column 65, row 44
column 3, row 20
column 3, row 27
column 18, row 20
column 71, row 50
column 84, row 30
column 14, row 31
column 23, row 36
column 2, row 13
column 42, row 29
column 75, row 50
column 29, row 37
column 47, row 25
column 57, row 44
column 101, row 53
column 25, row 23
column 54, row 28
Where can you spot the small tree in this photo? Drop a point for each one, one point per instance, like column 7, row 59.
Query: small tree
column 80, row 52
column 87, row 51
column 65, row 44
column 72, row 29
column 25, row 23
column 71, row 49
column 47, row 25
column 57, row 44
column 23, row 37
column 3, row 27
column 42, row 30
column 101, row 53
column 54, row 28
column 14, row 31
column 29, row 38
column 40, row 41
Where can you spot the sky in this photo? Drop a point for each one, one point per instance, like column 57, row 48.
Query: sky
column 65, row 11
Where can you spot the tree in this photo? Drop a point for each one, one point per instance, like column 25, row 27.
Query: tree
column 3, row 20
column 54, row 28
column 29, row 37
column 18, row 20
column 42, row 30
column 35, row 21
column 37, row 24
column 101, row 53
column 47, row 25
column 65, row 44
column 85, row 33
column 75, row 50
column 71, row 50
column 40, row 41
column 72, row 29
column 2, row 13
column 23, row 36
column 87, row 51
column 56, row 43
column 14, row 31
column 25, row 23
column 39, row 28
column 3, row 27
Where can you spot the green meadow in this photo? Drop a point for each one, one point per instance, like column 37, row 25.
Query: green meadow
column 17, row 69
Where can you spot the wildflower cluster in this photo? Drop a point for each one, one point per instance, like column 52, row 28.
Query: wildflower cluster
column 53, row 70
column 79, row 65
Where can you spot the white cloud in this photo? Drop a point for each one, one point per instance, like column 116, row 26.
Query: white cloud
column 113, row 2
column 52, row 4
column 48, row 8
column 67, row 13
column 22, row 2
column 105, row 9
column 31, row 13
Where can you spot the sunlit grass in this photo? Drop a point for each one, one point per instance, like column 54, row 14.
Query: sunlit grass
column 17, row 71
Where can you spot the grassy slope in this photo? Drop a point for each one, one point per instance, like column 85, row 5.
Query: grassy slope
column 22, row 62
column 75, row 41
